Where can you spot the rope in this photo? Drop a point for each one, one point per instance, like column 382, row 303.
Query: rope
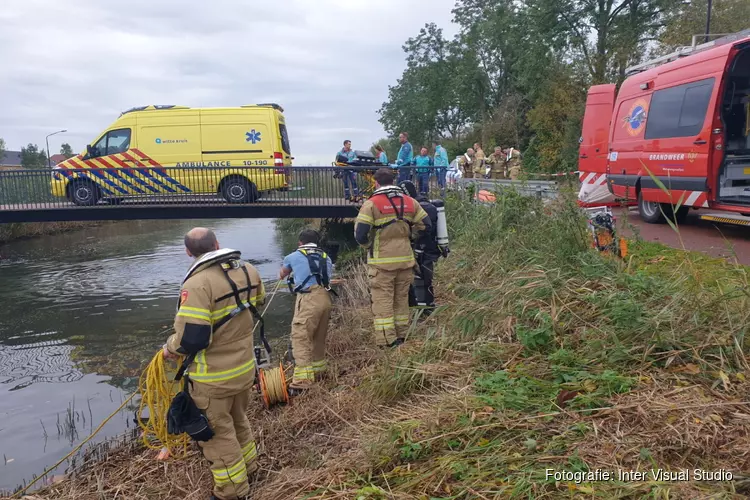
column 157, row 391
column 75, row 450
column 272, row 380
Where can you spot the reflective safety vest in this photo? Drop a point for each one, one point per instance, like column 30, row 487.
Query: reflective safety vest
column 317, row 259
column 214, row 323
column 393, row 217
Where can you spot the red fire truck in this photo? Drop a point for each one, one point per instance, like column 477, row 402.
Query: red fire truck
column 676, row 136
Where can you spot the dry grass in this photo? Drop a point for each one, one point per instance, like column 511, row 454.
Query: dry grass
column 543, row 355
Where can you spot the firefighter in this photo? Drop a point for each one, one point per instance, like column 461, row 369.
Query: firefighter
column 311, row 269
column 347, row 155
column 466, row 163
column 496, row 163
column 213, row 330
column 404, row 158
column 513, row 163
column 479, row 159
column 427, row 253
column 386, row 223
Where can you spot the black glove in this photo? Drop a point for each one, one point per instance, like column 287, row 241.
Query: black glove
column 444, row 251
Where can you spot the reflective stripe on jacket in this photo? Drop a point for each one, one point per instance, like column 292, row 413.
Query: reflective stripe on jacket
column 227, row 365
column 390, row 247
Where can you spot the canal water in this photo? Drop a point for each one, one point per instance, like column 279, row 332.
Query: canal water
column 81, row 315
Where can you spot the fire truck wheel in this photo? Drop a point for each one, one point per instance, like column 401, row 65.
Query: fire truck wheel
column 650, row 210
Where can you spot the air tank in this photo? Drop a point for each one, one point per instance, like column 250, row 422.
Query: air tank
column 442, row 224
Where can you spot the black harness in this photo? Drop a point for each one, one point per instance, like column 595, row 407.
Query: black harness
column 317, row 259
column 398, row 210
column 226, row 266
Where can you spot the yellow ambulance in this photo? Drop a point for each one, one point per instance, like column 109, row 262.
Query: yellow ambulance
column 152, row 151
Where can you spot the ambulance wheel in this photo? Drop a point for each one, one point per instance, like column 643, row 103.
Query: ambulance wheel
column 650, row 210
column 238, row 189
column 84, row 193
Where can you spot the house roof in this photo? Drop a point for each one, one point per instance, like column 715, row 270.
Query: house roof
column 55, row 159
column 10, row 159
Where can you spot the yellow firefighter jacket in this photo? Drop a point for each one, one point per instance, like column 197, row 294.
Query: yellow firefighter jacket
column 479, row 159
column 385, row 225
column 224, row 360
column 513, row 163
column 496, row 163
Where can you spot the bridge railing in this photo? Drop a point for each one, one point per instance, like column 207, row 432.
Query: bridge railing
column 26, row 189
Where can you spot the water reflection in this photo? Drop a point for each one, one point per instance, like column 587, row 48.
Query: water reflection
column 84, row 312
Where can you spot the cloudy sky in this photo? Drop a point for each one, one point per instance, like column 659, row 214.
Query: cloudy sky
column 76, row 64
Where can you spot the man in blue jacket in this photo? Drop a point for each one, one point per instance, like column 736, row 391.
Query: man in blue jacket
column 423, row 163
column 405, row 157
column 347, row 155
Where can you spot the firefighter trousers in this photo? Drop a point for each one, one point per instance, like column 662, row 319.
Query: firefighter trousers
column 232, row 451
column 309, row 329
column 389, row 292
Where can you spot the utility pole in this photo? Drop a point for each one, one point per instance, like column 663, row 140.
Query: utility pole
column 708, row 20
column 46, row 139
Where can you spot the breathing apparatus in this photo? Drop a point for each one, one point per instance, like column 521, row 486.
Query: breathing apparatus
column 183, row 414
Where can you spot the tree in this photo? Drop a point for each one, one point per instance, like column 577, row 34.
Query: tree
column 425, row 102
column 727, row 16
column 2, row 149
column 31, row 157
column 66, row 150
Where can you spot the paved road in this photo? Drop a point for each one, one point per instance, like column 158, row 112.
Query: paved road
column 718, row 240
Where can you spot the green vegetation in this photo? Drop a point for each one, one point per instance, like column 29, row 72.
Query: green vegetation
column 516, row 73
column 546, row 354
column 32, row 157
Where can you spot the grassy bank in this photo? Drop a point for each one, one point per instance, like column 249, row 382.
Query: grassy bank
column 543, row 355
column 19, row 231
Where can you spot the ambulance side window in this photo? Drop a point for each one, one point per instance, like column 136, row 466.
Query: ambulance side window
column 679, row 111
column 118, row 141
column 114, row 142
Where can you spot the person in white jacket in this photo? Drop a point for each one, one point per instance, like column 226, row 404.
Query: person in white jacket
column 454, row 173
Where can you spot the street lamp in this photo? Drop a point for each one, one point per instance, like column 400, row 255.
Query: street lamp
column 708, row 20
column 46, row 139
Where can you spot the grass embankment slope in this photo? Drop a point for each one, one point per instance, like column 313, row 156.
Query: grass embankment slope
column 544, row 355
column 19, row 231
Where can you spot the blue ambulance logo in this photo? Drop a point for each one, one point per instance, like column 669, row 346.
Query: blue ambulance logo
column 158, row 141
column 252, row 136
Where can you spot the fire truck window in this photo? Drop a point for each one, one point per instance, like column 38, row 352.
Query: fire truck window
column 679, row 111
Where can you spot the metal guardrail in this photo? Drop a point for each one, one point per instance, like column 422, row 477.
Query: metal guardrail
column 156, row 186
column 147, row 192
column 540, row 189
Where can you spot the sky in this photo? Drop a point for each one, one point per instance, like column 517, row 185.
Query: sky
column 77, row 64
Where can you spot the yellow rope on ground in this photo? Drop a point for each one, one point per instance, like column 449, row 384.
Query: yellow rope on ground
column 75, row 450
column 157, row 390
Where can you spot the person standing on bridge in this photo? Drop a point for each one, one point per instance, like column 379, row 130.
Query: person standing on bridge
column 386, row 223
column 311, row 269
column 441, row 164
column 347, row 155
column 214, row 331
column 423, row 162
column 380, row 153
column 405, row 157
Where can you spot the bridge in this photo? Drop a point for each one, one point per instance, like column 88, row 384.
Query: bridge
column 193, row 193
column 175, row 193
